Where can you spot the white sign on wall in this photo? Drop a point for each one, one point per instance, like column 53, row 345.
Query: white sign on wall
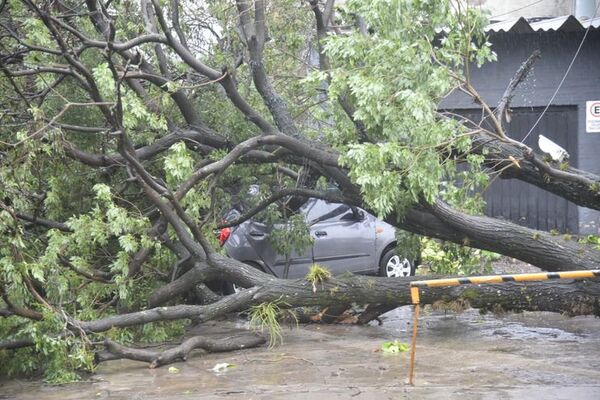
column 592, row 116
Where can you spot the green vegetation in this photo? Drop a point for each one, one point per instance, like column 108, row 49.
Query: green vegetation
column 291, row 235
column 103, row 127
column 266, row 317
column 452, row 259
column 394, row 347
column 591, row 239
column 398, row 76
column 317, row 274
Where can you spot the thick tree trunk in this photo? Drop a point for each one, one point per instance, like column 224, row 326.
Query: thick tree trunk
column 568, row 297
column 539, row 248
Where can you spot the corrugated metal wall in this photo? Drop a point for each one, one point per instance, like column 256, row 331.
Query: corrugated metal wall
column 523, row 203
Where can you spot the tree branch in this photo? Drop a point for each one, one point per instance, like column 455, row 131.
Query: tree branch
column 329, row 196
column 61, row 226
column 535, row 247
column 579, row 297
column 520, row 75
column 255, row 38
column 180, row 352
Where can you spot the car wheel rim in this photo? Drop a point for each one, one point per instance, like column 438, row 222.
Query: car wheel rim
column 397, row 267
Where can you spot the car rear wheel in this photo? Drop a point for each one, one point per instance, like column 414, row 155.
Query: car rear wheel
column 393, row 265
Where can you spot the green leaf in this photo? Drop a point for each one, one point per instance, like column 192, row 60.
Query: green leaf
column 394, row 347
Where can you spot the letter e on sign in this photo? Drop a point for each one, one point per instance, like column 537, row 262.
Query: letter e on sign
column 592, row 116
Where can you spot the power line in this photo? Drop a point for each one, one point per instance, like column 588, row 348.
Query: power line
column 518, row 9
column 563, row 78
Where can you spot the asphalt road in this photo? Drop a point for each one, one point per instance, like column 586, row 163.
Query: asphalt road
column 459, row 356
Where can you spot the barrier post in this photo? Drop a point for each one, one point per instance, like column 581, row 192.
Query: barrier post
column 414, row 297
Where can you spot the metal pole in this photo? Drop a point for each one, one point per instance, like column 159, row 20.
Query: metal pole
column 414, row 296
column 413, row 346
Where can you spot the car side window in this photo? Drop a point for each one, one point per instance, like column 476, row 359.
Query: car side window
column 321, row 210
column 349, row 215
column 315, row 208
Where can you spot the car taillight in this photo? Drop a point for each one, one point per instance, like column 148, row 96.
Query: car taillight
column 224, row 235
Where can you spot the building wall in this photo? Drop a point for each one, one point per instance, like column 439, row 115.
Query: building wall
column 581, row 85
column 524, row 8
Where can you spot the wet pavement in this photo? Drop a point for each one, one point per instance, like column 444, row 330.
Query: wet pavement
column 459, row 356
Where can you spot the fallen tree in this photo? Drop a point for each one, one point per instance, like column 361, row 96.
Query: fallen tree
column 571, row 297
column 128, row 138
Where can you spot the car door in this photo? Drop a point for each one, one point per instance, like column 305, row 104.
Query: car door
column 344, row 239
column 299, row 262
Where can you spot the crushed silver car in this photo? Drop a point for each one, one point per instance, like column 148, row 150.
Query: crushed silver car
column 345, row 239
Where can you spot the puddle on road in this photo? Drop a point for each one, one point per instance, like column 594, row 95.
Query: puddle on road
column 528, row 326
column 464, row 356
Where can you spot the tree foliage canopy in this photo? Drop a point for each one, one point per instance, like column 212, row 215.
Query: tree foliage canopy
column 129, row 128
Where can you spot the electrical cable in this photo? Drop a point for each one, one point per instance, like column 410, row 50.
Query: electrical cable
column 563, row 78
column 518, row 9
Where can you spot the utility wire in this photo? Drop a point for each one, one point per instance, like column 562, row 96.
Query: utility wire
column 563, row 78
column 518, row 9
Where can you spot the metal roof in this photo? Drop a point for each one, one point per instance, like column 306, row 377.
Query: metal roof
column 567, row 23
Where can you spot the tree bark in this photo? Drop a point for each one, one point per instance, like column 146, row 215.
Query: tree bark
column 581, row 297
column 549, row 252
column 577, row 186
column 114, row 351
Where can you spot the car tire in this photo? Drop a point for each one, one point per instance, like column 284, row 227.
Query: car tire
column 393, row 265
